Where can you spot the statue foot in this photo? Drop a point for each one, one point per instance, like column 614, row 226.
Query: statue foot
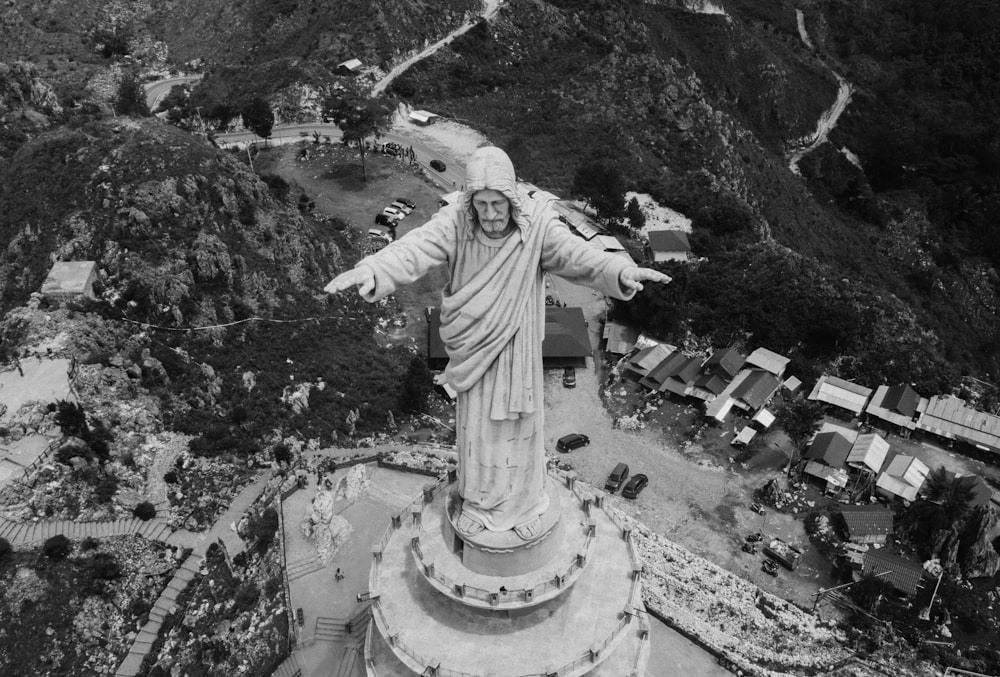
column 468, row 526
column 529, row 530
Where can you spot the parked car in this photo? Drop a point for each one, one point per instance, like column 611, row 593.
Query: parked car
column 569, row 377
column 634, row 486
column 750, row 548
column 402, row 206
column 572, row 441
column 769, row 566
column 755, row 538
column 616, row 478
column 438, row 166
column 409, row 203
column 393, row 213
column 383, row 220
column 757, row 508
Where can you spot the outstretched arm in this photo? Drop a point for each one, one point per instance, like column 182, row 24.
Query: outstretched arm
column 362, row 277
column 632, row 278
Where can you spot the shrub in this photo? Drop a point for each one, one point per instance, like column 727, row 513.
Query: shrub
column 57, row 547
column 106, row 488
column 89, row 543
column 263, row 528
column 282, row 453
column 144, row 511
column 5, row 549
column 170, row 477
column 246, row 596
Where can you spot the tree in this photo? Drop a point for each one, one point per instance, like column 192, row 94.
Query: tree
column 947, row 500
column 130, row 99
column 258, row 117
column 144, row 511
column 57, row 547
column 636, row 219
column 600, row 184
column 800, row 419
column 417, row 386
column 359, row 116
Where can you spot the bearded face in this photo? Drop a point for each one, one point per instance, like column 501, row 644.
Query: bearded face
column 493, row 211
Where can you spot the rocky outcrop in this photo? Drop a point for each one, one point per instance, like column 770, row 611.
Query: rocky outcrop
column 975, row 554
column 27, row 105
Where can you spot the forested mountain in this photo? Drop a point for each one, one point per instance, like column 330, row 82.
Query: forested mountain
column 876, row 260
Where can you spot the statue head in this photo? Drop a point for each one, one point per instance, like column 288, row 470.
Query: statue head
column 490, row 192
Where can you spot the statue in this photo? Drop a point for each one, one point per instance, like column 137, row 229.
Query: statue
column 497, row 243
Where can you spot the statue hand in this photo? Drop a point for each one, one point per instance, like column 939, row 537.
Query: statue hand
column 632, row 278
column 363, row 278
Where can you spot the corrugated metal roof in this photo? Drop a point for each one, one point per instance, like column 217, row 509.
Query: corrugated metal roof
column 870, row 450
column 910, row 469
column 833, row 476
column 867, row 520
column 901, row 399
column 620, row 338
column 757, row 388
column 950, row 417
column 830, row 448
column 728, row 361
column 648, row 358
column 669, row 241
column 69, row 277
column 904, row 575
column 841, row 393
column 768, row 361
column 876, row 407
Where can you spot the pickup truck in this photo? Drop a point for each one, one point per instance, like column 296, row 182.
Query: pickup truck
column 785, row 553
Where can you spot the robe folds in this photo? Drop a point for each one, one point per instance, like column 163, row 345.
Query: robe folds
column 492, row 326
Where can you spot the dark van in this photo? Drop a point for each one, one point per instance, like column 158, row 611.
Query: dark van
column 616, row 478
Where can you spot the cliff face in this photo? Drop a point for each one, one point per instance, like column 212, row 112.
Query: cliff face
column 181, row 231
column 27, row 105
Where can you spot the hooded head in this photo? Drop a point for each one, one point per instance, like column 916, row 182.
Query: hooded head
column 490, row 174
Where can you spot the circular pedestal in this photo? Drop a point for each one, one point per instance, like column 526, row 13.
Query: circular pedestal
column 504, row 553
column 588, row 628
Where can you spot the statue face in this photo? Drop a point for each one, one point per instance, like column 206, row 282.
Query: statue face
column 493, row 210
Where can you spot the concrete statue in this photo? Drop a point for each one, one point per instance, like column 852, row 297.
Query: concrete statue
column 497, row 244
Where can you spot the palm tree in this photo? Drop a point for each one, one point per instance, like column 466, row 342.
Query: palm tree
column 947, row 501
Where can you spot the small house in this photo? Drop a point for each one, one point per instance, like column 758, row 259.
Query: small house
column 949, row 417
column 762, row 420
column 869, row 452
column 70, row 281
column 903, row 574
column 619, row 339
column 897, row 405
column 349, row 67
column 422, row 117
column 769, row 361
column 840, row 393
column 646, row 359
column 791, row 386
column 867, row 523
column 744, row 437
column 755, row 391
column 835, row 479
column 674, row 374
column 829, row 448
column 902, row 477
column 669, row 245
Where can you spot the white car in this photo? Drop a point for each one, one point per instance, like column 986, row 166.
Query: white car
column 393, row 213
column 401, row 206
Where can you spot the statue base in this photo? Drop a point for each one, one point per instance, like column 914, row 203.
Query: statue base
column 504, row 553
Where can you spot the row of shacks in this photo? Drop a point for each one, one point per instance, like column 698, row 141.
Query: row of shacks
column 724, row 383
column 835, row 455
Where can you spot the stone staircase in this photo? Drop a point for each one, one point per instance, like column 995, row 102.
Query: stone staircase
column 303, row 567
column 350, row 662
column 289, row 668
column 331, row 630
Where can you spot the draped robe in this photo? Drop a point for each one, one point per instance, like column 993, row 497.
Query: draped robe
column 492, row 326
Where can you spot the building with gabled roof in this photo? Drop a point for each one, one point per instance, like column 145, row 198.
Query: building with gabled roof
column 841, row 393
column 949, row 417
column 70, row 280
column 769, row 361
column 422, row 117
column 619, row 339
column 349, row 67
column 898, row 405
column 725, row 363
column 646, row 359
column 867, row 523
column 674, row 374
column 903, row 574
column 902, row 477
column 669, row 245
column 869, row 452
column 708, row 386
column 835, row 478
column 756, row 390
column 576, row 219
column 830, row 448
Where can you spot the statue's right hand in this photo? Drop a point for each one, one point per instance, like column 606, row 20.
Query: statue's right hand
column 362, row 277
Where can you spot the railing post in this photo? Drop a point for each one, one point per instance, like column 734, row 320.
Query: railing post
column 397, row 521
column 626, row 534
column 416, row 517
column 599, row 501
column 591, row 527
column 428, row 494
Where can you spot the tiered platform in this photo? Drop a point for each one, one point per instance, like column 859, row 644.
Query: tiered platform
column 579, row 613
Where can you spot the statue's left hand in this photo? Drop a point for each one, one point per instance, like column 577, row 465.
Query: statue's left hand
column 632, row 278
